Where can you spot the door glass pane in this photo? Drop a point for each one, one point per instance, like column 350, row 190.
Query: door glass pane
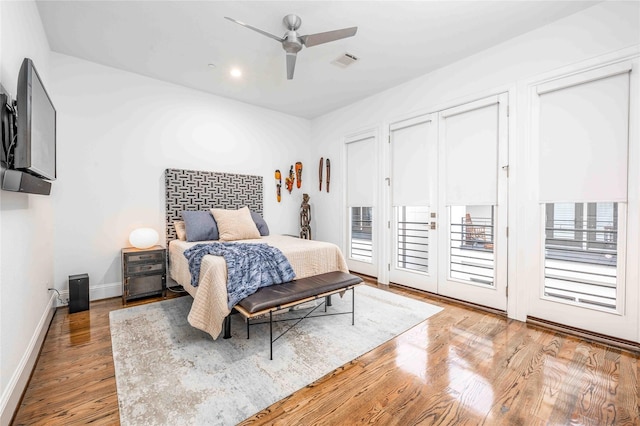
column 471, row 255
column 582, row 268
column 564, row 217
column 361, row 242
column 412, row 238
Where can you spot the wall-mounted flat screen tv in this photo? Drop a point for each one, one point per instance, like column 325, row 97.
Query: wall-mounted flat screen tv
column 35, row 149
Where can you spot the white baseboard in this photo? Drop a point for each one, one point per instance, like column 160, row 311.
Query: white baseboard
column 18, row 382
column 105, row 291
column 98, row 292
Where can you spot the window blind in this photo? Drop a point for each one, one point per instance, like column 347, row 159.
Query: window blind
column 583, row 138
column 361, row 172
column 414, row 159
column 471, row 154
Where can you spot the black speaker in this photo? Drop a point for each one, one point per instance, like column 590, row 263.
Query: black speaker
column 78, row 293
column 17, row 181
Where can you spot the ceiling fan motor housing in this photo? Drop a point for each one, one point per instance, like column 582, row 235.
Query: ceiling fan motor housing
column 291, row 42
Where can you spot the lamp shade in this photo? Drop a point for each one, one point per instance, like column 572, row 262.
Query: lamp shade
column 143, row 238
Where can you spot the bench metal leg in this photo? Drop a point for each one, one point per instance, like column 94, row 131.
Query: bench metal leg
column 227, row 327
column 271, row 335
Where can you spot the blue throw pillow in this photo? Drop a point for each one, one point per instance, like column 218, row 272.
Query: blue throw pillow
column 260, row 223
column 200, row 226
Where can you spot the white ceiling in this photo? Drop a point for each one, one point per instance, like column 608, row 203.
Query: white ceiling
column 396, row 41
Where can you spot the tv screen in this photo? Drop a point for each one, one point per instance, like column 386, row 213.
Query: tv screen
column 35, row 150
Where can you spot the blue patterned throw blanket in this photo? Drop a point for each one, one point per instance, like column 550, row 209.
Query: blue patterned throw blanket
column 249, row 267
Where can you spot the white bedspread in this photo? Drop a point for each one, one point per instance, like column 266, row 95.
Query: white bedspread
column 307, row 258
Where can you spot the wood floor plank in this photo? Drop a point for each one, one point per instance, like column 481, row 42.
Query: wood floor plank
column 462, row 366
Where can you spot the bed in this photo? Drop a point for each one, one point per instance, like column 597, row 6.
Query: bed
column 189, row 190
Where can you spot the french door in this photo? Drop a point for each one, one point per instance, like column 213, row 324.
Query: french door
column 414, row 178
column 449, row 202
column 473, row 140
column 361, row 189
column 587, row 212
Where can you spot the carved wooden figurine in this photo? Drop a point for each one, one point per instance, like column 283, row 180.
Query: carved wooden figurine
column 305, row 218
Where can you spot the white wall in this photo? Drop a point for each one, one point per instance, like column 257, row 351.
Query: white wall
column 118, row 132
column 601, row 29
column 26, row 225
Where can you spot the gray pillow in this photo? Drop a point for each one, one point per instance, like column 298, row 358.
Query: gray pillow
column 200, row 226
column 260, row 223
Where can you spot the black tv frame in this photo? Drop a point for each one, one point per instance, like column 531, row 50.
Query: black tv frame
column 25, row 148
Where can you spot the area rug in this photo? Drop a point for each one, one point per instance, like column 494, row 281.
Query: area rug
column 168, row 372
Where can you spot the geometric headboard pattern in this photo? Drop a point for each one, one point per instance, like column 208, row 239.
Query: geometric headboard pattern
column 199, row 190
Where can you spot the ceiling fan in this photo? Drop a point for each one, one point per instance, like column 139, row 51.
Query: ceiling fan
column 292, row 42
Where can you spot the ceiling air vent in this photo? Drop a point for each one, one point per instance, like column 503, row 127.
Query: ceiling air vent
column 344, row 60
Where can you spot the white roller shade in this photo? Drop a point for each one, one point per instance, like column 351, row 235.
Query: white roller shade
column 361, row 172
column 583, row 138
column 471, row 154
column 414, row 160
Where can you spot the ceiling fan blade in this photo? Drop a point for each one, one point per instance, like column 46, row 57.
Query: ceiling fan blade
column 319, row 38
column 291, row 64
column 251, row 27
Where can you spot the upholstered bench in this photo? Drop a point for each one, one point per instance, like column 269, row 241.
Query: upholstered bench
column 268, row 300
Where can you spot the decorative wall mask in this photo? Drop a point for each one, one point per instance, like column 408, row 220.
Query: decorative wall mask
column 290, row 179
column 278, row 184
column 320, row 170
column 298, row 174
column 328, row 174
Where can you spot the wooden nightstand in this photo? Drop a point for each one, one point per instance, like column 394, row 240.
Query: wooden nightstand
column 144, row 272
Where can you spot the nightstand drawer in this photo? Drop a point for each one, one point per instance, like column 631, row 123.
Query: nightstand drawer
column 144, row 286
column 145, row 268
column 156, row 256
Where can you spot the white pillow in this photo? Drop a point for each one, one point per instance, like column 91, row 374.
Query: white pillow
column 235, row 224
column 181, row 230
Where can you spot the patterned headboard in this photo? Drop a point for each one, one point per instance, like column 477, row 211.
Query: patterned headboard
column 199, row 190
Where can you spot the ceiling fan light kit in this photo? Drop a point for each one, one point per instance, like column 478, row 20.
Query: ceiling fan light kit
column 292, row 42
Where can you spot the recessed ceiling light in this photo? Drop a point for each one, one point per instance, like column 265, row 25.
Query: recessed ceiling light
column 236, row 72
column 212, row 65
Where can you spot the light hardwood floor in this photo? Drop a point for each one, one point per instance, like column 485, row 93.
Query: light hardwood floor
column 460, row 367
